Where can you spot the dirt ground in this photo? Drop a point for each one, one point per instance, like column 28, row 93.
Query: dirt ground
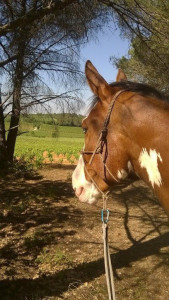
column 51, row 244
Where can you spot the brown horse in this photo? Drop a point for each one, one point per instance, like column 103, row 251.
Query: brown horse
column 127, row 130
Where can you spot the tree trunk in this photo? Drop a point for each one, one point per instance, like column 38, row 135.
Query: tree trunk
column 17, row 88
column 3, row 152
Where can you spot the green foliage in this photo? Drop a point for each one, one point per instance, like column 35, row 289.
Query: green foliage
column 54, row 134
column 149, row 51
column 63, row 119
column 30, row 148
column 56, row 258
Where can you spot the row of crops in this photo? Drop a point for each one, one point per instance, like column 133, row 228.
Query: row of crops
column 48, row 144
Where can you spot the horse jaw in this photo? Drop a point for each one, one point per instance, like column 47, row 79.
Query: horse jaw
column 84, row 189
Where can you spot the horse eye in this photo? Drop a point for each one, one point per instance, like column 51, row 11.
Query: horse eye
column 84, row 130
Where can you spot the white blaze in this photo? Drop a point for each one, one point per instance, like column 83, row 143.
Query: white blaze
column 85, row 190
column 129, row 165
column 149, row 161
column 122, row 174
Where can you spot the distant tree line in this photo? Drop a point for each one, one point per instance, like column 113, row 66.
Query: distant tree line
column 62, row 119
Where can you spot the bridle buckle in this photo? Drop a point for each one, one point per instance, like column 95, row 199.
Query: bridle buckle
column 104, row 134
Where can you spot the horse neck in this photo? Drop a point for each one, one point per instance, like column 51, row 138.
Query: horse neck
column 145, row 129
column 145, row 119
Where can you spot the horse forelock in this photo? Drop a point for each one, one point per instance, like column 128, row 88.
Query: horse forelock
column 94, row 101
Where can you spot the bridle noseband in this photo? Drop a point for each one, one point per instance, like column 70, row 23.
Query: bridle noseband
column 102, row 140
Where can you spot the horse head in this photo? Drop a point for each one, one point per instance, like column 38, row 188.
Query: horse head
column 125, row 131
column 104, row 160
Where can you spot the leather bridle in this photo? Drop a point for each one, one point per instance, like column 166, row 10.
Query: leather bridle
column 102, row 140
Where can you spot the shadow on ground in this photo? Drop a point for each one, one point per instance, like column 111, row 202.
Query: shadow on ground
column 47, row 205
column 56, row 284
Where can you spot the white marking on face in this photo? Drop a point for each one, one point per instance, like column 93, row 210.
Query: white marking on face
column 84, row 189
column 149, row 161
column 122, row 174
column 130, row 167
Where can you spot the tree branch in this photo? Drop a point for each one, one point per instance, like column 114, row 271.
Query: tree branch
column 35, row 14
column 8, row 60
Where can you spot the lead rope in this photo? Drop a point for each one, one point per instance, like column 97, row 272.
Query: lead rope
column 107, row 259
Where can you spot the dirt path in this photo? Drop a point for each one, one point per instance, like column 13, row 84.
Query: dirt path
column 51, row 245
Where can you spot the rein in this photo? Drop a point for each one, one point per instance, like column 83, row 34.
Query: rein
column 102, row 140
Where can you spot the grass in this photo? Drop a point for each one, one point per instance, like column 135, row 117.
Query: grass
column 46, row 130
column 64, row 140
column 56, row 257
column 37, row 238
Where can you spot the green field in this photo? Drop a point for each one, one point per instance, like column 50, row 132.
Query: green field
column 65, row 140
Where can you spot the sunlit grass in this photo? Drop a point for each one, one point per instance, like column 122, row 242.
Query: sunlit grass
column 32, row 145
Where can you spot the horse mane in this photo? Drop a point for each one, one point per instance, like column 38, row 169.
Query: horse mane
column 139, row 88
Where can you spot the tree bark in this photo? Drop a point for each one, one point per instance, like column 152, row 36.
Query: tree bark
column 17, row 84
column 3, row 152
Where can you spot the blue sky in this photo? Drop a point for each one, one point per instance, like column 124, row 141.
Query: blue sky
column 109, row 43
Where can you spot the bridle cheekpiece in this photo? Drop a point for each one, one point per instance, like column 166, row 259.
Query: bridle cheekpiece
column 102, row 140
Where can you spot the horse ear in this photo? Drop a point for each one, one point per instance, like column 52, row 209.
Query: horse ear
column 121, row 76
column 97, row 83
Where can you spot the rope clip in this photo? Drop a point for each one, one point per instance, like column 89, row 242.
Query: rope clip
column 105, row 215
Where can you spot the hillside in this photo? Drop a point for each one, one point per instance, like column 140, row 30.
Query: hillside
column 62, row 119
